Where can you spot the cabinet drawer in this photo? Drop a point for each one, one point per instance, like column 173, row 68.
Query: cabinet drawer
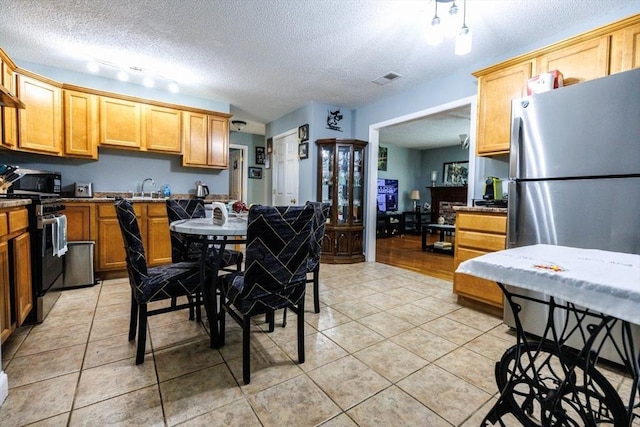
column 482, row 222
column 4, row 230
column 155, row 210
column 18, row 220
column 489, row 242
column 478, row 289
column 108, row 210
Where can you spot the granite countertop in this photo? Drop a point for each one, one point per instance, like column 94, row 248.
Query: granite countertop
column 480, row 209
column 12, row 203
column 110, row 196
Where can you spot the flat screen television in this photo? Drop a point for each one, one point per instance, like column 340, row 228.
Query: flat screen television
column 387, row 195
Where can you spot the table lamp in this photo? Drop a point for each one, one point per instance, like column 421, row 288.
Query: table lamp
column 415, row 196
column 434, row 178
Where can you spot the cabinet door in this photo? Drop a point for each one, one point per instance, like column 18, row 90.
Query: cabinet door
column 22, row 275
column 41, row 121
column 195, row 139
column 78, row 221
column 109, row 245
column 80, row 124
column 5, row 296
column 579, row 62
column 218, row 142
column 625, row 49
column 9, row 115
column 158, row 240
column 120, row 123
column 495, row 92
column 163, row 129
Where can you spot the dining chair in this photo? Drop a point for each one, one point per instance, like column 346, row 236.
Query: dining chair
column 277, row 252
column 149, row 284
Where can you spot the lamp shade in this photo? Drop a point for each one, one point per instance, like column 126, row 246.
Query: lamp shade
column 415, row 195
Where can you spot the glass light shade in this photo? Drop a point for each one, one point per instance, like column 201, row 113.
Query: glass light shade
column 93, row 66
column 463, row 41
column 123, row 76
column 435, row 32
column 148, row 81
column 173, row 87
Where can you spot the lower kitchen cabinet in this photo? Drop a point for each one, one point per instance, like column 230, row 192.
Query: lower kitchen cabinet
column 16, row 297
column 80, row 221
column 478, row 232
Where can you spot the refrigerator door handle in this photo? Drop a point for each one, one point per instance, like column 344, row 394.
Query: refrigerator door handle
column 514, row 153
column 512, row 216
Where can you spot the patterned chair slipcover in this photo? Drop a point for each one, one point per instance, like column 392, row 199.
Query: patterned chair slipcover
column 278, row 245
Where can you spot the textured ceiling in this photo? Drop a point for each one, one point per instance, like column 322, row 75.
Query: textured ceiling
column 268, row 57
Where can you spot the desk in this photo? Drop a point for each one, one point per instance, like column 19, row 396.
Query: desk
column 591, row 295
column 216, row 238
column 444, row 229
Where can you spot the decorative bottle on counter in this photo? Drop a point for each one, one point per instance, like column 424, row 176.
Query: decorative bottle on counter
column 166, row 191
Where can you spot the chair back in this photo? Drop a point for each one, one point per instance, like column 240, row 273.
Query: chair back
column 277, row 250
column 321, row 212
column 134, row 250
column 178, row 209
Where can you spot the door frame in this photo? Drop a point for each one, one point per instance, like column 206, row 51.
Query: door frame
column 372, row 169
column 245, row 168
column 274, row 166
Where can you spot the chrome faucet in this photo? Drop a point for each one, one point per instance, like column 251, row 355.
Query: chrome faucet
column 142, row 186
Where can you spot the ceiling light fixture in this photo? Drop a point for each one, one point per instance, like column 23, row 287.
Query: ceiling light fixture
column 450, row 21
column 239, row 124
column 137, row 75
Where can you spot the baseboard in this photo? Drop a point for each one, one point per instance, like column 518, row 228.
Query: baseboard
column 4, row 387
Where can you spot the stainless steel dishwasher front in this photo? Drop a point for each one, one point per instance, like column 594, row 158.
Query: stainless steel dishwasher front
column 78, row 265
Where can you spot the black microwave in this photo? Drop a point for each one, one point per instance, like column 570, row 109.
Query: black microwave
column 37, row 182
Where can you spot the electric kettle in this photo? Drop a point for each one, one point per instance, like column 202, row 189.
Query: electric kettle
column 202, row 190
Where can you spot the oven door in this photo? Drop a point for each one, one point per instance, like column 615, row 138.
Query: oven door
column 52, row 265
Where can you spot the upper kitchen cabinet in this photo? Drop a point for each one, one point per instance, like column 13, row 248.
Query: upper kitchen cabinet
column 40, row 122
column 600, row 52
column 80, row 124
column 120, row 123
column 163, row 129
column 206, row 140
column 9, row 132
column 496, row 89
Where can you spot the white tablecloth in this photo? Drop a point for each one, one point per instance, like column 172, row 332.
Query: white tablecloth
column 603, row 281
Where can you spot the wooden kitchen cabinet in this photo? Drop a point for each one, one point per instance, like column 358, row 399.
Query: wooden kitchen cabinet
column 16, row 297
column 80, row 221
column 9, row 115
column 597, row 53
column 163, row 129
column 81, row 131
column 206, row 140
column 154, row 229
column 120, row 123
column 478, row 233
column 40, row 122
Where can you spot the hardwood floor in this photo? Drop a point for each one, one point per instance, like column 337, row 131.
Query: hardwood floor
column 406, row 251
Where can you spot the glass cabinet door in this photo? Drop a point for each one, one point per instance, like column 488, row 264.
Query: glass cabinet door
column 358, row 179
column 344, row 176
column 326, row 155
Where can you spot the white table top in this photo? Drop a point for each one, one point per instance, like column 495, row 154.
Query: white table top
column 603, row 281
column 442, row 226
column 205, row 227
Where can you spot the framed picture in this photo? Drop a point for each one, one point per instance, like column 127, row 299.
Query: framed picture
column 303, row 133
column 382, row 158
column 269, row 145
column 455, row 173
column 260, row 156
column 255, row 173
column 303, row 150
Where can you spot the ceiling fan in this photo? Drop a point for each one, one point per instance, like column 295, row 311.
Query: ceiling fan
column 464, row 141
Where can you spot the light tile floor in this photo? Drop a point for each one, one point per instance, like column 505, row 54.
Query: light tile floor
column 389, row 347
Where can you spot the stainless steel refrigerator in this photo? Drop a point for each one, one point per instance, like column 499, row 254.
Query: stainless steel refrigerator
column 574, row 172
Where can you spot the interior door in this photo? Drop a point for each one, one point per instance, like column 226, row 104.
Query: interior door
column 285, row 169
column 235, row 174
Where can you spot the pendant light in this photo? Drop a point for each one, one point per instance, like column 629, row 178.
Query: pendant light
column 434, row 33
column 463, row 39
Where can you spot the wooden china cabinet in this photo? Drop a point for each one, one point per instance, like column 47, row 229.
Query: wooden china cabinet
column 341, row 183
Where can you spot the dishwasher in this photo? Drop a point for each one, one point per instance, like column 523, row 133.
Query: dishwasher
column 78, row 265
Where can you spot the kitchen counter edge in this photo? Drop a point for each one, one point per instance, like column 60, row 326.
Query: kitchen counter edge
column 14, row 203
column 479, row 209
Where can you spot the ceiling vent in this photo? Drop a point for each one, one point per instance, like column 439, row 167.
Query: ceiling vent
column 387, row 78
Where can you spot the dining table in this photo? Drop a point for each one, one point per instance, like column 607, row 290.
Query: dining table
column 592, row 297
column 214, row 238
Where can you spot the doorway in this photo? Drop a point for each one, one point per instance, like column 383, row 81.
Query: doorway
column 285, row 169
column 372, row 171
column 238, row 170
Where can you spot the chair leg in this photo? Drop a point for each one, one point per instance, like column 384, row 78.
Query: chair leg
column 301, row 331
column 133, row 321
column 246, row 362
column 142, row 333
column 316, row 290
column 284, row 317
column 192, row 303
column 271, row 319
